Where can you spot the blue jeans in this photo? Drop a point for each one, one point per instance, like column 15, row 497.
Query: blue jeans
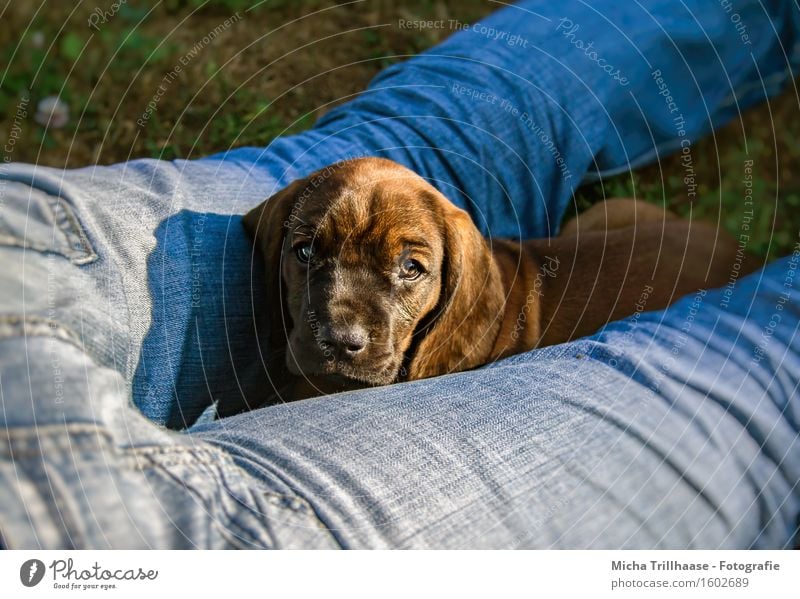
column 129, row 291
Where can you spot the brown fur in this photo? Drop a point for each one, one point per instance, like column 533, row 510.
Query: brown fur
column 479, row 300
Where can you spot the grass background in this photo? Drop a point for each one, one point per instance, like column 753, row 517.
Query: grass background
column 246, row 87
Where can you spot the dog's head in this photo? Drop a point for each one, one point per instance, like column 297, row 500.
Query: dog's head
column 373, row 276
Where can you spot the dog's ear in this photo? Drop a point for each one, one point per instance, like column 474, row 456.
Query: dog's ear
column 462, row 330
column 267, row 224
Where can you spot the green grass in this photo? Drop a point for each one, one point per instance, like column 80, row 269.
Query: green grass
column 245, row 88
column 770, row 224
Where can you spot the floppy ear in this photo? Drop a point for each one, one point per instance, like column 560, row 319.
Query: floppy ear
column 267, row 224
column 467, row 320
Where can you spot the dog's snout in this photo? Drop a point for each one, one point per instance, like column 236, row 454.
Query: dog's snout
column 350, row 339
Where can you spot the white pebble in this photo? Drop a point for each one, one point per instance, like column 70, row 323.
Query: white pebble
column 37, row 39
column 52, row 112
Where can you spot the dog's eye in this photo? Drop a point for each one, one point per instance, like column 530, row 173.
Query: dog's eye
column 303, row 252
column 410, row 269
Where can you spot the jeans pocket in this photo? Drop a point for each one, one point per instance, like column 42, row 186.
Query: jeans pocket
column 33, row 219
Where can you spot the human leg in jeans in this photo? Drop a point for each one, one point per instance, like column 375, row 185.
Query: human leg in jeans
column 131, row 289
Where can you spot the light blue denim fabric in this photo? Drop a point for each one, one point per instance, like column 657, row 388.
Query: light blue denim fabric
column 129, row 292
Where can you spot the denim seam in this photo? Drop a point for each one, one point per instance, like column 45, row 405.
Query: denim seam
column 296, row 505
column 234, row 517
column 50, row 492
column 23, row 442
column 229, row 535
column 227, row 467
column 71, row 254
column 82, row 251
column 13, row 326
column 79, row 249
column 234, row 530
column 83, row 435
column 187, row 456
column 51, row 486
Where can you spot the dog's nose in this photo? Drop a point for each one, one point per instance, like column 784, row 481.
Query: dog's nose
column 350, row 339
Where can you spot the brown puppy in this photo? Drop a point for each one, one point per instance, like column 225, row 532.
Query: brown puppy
column 374, row 277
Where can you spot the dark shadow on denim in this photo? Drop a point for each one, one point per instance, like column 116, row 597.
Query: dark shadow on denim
column 203, row 343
